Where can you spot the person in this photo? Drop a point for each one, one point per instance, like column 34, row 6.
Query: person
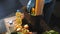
column 47, row 11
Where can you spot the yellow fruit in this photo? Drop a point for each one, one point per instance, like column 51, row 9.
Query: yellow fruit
column 26, row 26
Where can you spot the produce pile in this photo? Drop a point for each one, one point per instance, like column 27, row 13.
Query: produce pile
column 18, row 24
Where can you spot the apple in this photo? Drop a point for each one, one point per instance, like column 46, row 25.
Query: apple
column 26, row 26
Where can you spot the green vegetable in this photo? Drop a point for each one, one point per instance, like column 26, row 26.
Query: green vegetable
column 19, row 33
column 51, row 32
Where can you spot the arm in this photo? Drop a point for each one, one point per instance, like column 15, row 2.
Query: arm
column 39, row 4
column 39, row 7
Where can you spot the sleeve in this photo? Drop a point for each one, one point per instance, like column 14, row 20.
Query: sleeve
column 30, row 4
